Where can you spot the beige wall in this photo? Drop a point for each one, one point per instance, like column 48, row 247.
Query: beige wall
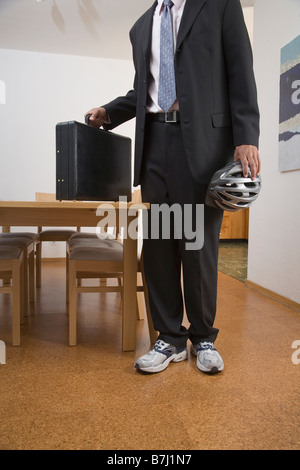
column 274, row 241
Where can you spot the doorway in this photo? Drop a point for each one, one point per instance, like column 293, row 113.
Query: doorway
column 233, row 248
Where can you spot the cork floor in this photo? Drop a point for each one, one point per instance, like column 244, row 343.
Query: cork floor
column 90, row 397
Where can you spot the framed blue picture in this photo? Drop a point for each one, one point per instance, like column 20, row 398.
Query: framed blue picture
column 289, row 112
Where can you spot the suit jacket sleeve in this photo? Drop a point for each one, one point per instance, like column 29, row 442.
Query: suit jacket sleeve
column 242, row 86
column 123, row 109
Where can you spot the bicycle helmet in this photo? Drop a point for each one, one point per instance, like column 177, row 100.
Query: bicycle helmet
column 230, row 190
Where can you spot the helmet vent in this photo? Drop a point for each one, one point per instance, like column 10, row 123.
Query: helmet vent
column 230, row 190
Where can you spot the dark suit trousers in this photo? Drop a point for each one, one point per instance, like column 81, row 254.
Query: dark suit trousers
column 166, row 178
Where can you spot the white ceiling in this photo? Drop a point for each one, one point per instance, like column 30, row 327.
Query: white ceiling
column 96, row 28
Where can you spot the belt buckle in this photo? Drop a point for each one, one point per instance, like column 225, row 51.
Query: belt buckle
column 173, row 119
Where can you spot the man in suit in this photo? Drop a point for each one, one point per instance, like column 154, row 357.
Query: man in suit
column 212, row 119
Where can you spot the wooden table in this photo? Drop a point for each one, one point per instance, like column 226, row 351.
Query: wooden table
column 83, row 214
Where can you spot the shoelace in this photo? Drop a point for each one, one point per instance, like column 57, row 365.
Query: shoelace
column 206, row 346
column 160, row 346
column 164, row 348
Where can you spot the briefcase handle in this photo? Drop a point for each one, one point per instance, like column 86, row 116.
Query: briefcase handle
column 87, row 119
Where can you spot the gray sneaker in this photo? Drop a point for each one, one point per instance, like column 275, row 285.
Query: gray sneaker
column 208, row 358
column 160, row 357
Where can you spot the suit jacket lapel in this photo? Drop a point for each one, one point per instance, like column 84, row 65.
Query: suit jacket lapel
column 191, row 11
column 148, row 23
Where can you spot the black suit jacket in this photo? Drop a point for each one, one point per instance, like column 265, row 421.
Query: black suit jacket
column 215, row 85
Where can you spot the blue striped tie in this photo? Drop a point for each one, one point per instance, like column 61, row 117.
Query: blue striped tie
column 167, row 85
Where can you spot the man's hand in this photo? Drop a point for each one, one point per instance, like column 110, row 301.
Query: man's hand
column 98, row 117
column 249, row 157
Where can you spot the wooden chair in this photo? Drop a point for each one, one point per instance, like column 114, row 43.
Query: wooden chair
column 11, row 261
column 98, row 259
column 48, row 235
column 90, row 257
column 27, row 242
column 7, row 235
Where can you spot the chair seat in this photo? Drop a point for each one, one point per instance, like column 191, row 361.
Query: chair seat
column 100, row 250
column 88, row 236
column 32, row 236
column 79, row 235
column 59, row 235
column 81, row 239
column 18, row 242
column 91, row 242
column 9, row 252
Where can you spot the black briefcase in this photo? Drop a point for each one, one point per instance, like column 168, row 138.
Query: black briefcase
column 91, row 164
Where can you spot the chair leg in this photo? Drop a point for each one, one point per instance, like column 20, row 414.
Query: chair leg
column 31, row 277
column 6, row 280
column 67, row 277
column 72, row 304
column 38, row 264
column 23, row 310
column 140, row 300
column 16, row 301
column 26, row 282
column 120, row 284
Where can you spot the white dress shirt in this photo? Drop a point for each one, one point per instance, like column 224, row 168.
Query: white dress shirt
column 176, row 13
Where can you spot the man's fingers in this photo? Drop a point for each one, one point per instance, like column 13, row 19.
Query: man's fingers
column 97, row 117
column 258, row 162
column 92, row 117
column 253, row 167
column 89, row 113
column 249, row 157
column 246, row 165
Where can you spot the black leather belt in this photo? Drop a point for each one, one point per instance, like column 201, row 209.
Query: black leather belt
column 172, row 117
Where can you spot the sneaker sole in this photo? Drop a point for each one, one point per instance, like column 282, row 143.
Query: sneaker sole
column 153, row 370
column 213, row 371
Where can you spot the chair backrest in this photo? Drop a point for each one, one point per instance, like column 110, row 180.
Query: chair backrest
column 45, row 197
column 137, row 196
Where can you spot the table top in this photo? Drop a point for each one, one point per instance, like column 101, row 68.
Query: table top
column 72, row 205
column 63, row 213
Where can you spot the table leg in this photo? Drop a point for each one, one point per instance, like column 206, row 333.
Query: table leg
column 6, row 279
column 129, row 295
